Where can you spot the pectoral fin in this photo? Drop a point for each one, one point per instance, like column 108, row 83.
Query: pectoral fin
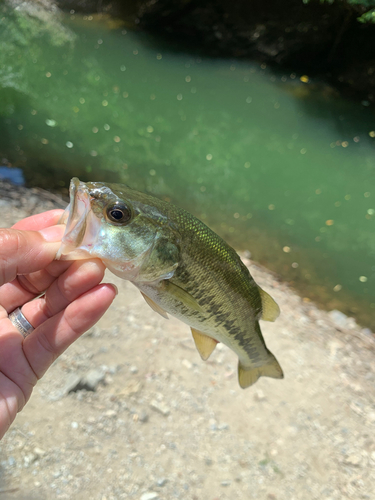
column 181, row 295
column 270, row 310
column 205, row 345
column 155, row 306
column 248, row 376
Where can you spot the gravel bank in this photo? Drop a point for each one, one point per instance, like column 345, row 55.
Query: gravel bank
column 131, row 411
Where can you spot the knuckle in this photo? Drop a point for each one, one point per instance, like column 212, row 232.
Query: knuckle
column 10, row 243
column 9, row 240
column 48, row 347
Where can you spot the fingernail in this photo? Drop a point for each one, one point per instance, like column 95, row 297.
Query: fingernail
column 115, row 287
column 53, row 233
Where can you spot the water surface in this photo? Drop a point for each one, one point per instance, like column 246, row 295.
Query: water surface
column 281, row 167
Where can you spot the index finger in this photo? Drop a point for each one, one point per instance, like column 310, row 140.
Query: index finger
column 39, row 221
column 24, row 252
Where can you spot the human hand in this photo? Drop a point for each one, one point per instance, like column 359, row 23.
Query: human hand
column 73, row 302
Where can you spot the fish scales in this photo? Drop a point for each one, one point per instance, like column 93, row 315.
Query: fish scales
column 179, row 264
column 209, row 263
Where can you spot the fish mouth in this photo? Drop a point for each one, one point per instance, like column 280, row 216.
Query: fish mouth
column 75, row 217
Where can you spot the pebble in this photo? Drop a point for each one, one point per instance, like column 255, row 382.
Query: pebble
column 341, row 320
column 353, row 459
column 92, row 379
column 39, row 452
column 29, row 459
column 88, row 382
column 187, row 364
column 133, row 369
column 72, row 383
column 110, row 413
column 162, row 481
column 143, row 417
column 160, row 407
column 223, row 427
column 259, row 395
column 367, row 331
column 225, row 483
column 150, row 495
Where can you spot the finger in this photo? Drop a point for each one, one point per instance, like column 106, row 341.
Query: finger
column 11, row 401
column 47, row 342
column 23, row 252
column 27, row 287
column 13, row 363
column 39, row 221
column 81, row 277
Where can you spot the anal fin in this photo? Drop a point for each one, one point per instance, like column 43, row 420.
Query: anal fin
column 248, row 376
column 205, row 344
column 155, row 306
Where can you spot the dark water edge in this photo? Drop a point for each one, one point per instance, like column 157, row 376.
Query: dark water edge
column 324, row 40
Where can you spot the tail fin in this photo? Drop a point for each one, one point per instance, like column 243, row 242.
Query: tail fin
column 248, row 376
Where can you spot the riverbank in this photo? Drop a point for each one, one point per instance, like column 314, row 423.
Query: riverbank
column 156, row 422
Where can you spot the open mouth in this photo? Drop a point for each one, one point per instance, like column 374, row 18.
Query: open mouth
column 75, row 217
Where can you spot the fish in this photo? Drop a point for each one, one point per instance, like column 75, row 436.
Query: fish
column 180, row 266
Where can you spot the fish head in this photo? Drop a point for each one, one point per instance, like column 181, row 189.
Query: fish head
column 123, row 228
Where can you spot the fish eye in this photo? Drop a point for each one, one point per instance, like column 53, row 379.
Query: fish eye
column 119, row 213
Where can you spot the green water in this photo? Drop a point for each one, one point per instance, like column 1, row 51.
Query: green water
column 282, row 168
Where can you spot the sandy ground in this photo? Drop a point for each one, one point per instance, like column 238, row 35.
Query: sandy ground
column 162, row 424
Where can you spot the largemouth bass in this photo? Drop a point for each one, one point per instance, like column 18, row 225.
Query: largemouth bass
column 180, row 266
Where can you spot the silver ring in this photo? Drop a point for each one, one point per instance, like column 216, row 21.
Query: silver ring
column 20, row 322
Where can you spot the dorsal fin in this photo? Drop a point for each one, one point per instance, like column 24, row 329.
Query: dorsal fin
column 205, row 344
column 270, row 310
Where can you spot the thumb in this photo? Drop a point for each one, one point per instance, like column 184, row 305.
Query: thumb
column 24, row 252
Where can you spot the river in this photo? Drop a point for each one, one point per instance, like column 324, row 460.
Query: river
column 278, row 164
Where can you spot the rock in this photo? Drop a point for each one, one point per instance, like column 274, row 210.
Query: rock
column 339, row 319
column 72, row 383
column 150, row 495
column 187, row 364
column 367, row 331
column 259, row 395
column 110, row 413
column 162, row 482
column 353, row 459
column 39, row 452
column 92, row 379
column 225, row 483
column 133, row 369
column 160, row 407
column 223, row 427
column 88, row 382
column 143, row 417
column 29, row 459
